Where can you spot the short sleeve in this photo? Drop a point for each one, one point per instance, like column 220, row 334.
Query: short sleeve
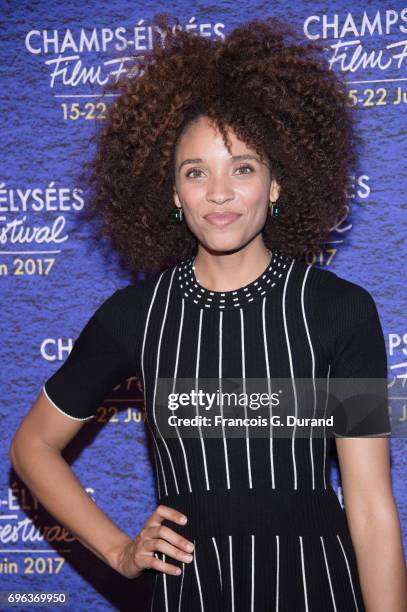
column 360, row 357
column 102, row 356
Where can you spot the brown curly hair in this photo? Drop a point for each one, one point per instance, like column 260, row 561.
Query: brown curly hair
column 279, row 96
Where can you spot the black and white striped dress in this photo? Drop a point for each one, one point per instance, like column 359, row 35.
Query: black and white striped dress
column 269, row 531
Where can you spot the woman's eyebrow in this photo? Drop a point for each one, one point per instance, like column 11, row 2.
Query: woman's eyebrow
column 199, row 160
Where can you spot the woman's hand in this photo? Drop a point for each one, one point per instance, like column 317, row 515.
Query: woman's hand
column 138, row 554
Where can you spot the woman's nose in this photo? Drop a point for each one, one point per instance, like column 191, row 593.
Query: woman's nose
column 219, row 190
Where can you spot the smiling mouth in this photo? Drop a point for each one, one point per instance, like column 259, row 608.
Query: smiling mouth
column 221, row 219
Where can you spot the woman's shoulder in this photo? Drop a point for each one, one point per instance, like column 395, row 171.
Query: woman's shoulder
column 122, row 307
column 134, row 299
column 340, row 301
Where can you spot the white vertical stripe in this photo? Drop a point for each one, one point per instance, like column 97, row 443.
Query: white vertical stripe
column 156, row 377
column 349, row 572
column 180, row 588
column 197, row 390
column 225, row 450
column 266, row 355
column 154, row 589
column 277, row 571
column 173, row 391
column 232, row 588
column 155, row 582
column 156, row 471
column 253, row 574
column 165, row 586
column 161, row 464
column 326, row 403
column 143, row 375
column 146, row 330
column 217, row 557
column 197, row 578
column 303, row 576
column 329, row 575
column 292, row 373
column 313, row 370
column 249, row 469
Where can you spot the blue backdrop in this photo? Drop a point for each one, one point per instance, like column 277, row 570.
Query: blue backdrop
column 55, row 57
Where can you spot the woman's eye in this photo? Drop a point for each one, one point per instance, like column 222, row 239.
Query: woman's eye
column 243, row 167
column 188, row 174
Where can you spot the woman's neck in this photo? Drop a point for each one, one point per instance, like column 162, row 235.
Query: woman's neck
column 226, row 272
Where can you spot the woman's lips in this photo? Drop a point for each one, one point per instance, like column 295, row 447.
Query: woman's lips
column 221, row 219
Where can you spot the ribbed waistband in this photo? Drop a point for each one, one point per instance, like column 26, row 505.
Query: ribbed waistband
column 258, row 511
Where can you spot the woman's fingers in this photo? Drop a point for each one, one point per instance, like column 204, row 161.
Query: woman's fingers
column 166, row 533
column 163, row 566
column 160, row 543
column 156, row 537
column 166, row 512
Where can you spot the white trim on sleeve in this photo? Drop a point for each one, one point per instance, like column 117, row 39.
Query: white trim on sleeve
column 65, row 413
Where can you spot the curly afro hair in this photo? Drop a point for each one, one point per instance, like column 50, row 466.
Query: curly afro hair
column 278, row 95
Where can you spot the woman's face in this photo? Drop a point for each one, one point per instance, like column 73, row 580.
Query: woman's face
column 209, row 180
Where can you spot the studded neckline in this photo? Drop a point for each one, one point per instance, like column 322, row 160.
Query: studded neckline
column 254, row 291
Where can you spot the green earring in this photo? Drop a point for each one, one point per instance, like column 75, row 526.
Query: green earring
column 274, row 209
column 178, row 214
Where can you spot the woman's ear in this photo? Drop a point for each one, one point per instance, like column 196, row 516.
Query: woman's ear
column 176, row 199
column 274, row 190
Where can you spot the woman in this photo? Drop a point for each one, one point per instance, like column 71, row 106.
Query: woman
column 251, row 142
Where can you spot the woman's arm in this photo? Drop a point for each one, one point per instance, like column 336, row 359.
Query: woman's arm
column 373, row 522
column 35, row 453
